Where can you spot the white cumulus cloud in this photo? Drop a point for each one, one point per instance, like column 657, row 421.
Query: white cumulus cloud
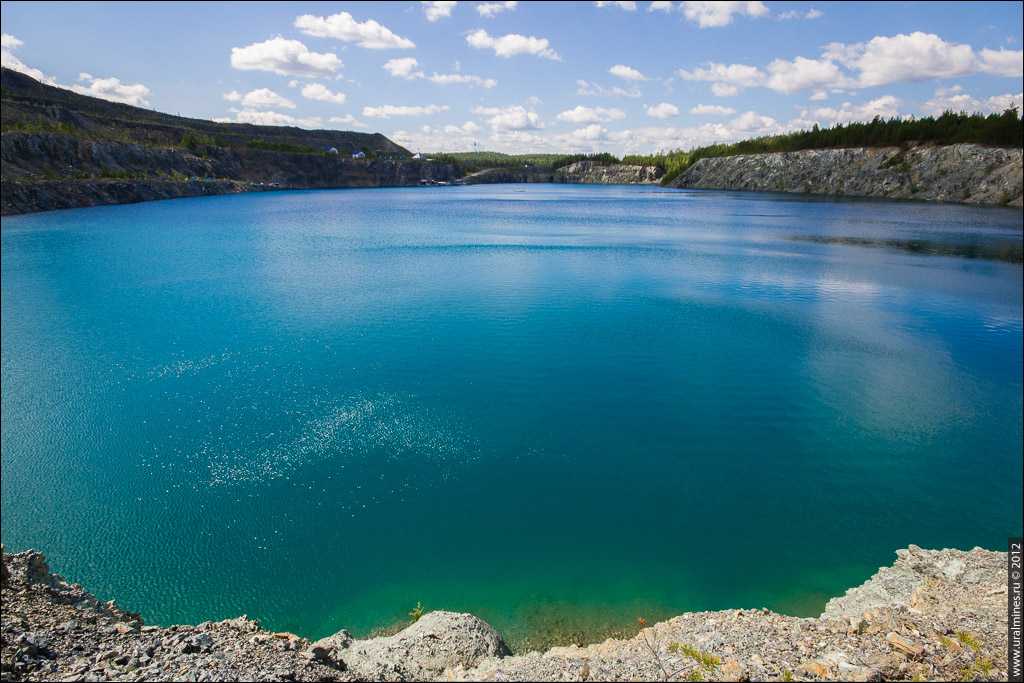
column 449, row 138
column 321, row 93
column 437, row 9
column 955, row 99
column 265, row 98
column 109, row 88
column 627, row 5
column 595, row 89
column 408, row 68
column 343, row 26
column 271, row 118
column 462, row 79
column 387, row 111
column 1002, row 62
column 114, row 90
column 627, row 73
column 790, row 76
column 886, row 106
column 904, row 57
column 846, row 67
column 489, row 10
column 590, row 133
column 347, row 120
column 714, row 13
column 662, row 110
column 8, row 44
column 515, row 118
column 711, row 110
column 403, row 67
column 512, row 44
column 726, row 79
column 286, row 58
column 798, row 14
column 581, row 114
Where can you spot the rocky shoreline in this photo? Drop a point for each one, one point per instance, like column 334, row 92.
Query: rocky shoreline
column 581, row 172
column 932, row 615
column 21, row 198
column 125, row 173
column 964, row 173
column 588, row 172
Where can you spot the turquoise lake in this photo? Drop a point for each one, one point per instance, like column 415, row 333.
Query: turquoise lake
column 557, row 407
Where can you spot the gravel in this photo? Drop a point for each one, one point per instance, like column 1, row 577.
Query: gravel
column 933, row 615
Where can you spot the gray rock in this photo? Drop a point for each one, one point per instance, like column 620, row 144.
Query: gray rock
column 933, row 615
column 973, row 174
column 436, row 642
column 588, row 172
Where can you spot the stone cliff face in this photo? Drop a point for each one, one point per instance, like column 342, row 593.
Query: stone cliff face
column 489, row 176
column 43, row 171
column 972, row 174
column 30, row 197
column 582, row 172
column 933, row 615
column 588, row 172
column 61, row 149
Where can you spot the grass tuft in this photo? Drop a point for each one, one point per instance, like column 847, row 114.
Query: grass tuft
column 968, row 640
column 705, row 659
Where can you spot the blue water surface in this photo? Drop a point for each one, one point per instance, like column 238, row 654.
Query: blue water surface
column 553, row 406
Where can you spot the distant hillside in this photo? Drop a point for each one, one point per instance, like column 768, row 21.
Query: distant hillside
column 34, row 107
column 966, row 173
column 60, row 149
column 1004, row 130
column 471, row 162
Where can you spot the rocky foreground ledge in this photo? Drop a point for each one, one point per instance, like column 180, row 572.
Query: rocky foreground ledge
column 933, row 615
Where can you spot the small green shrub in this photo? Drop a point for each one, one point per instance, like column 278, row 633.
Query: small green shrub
column 705, row 659
column 979, row 668
column 968, row 640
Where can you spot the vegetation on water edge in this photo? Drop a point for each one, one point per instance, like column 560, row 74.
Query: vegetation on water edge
column 1001, row 130
column 416, row 612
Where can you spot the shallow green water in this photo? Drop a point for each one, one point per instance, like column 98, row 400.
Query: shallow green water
column 558, row 407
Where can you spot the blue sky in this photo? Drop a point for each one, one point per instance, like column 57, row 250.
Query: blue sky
column 530, row 76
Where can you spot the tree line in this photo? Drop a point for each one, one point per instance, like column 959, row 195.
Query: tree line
column 1001, row 130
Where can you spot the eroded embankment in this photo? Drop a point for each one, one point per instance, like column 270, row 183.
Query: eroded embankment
column 933, row 615
column 971, row 174
column 45, row 171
